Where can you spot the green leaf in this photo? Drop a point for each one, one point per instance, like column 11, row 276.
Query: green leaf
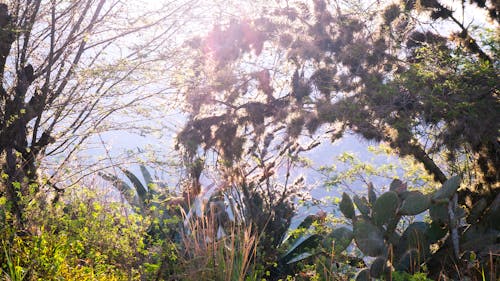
column 142, row 192
column 346, row 206
column 146, row 175
column 304, row 242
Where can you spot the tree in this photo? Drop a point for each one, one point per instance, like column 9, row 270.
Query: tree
column 398, row 83
column 385, row 75
column 66, row 66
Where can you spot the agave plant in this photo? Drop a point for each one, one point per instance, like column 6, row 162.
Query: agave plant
column 146, row 199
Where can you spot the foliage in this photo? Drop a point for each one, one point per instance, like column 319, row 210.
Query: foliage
column 61, row 77
column 259, row 92
column 399, row 242
column 208, row 253
column 334, row 70
column 148, row 200
column 81, row 239
column 404, row 276
column 386, row 76
column 237, row 219
column 208, row 239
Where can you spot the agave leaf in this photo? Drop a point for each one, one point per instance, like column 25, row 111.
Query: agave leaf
column 300, row 257
column 146, row 175
column 149, row 180
column 346, row 206
column 108, row 177
column 126, row 190
column 306, row 241
column 369, row 238
column 385, row 208
column 414, row 203
column 142, row 192
column 307, row 222
column 448, row 189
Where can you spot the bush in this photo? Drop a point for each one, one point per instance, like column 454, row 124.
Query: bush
column 404, row 276
column 79, row 239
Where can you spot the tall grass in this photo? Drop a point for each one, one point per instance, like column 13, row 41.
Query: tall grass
column 15, row 272
column 213, row 252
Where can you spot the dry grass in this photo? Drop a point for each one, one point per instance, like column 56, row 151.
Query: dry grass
column 211, row 252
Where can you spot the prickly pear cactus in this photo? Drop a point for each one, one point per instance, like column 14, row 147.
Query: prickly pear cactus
column 410, row 261
column 448, row 189
column 377, row 230
column 439, row 213
column 341, row 238
column 397, row 186
column 435, row 232
column 363, row 275
column 346, row 206
column 414, row 204
column 362, row 205
column 369, row 238
column 415, row 238
column 372, row 197
column 378, row 267
column 385, row 208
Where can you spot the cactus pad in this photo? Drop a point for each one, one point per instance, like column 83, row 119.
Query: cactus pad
column 362, row 205
column 369, row 238
column 341, row 237
column 363, row 275
column 448, row 189
column 414, row 203
column 346, row 206
column 378, row 267
column 385, row 208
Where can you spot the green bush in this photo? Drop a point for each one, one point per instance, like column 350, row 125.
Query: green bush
column 404, row 276
column 81, row 238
